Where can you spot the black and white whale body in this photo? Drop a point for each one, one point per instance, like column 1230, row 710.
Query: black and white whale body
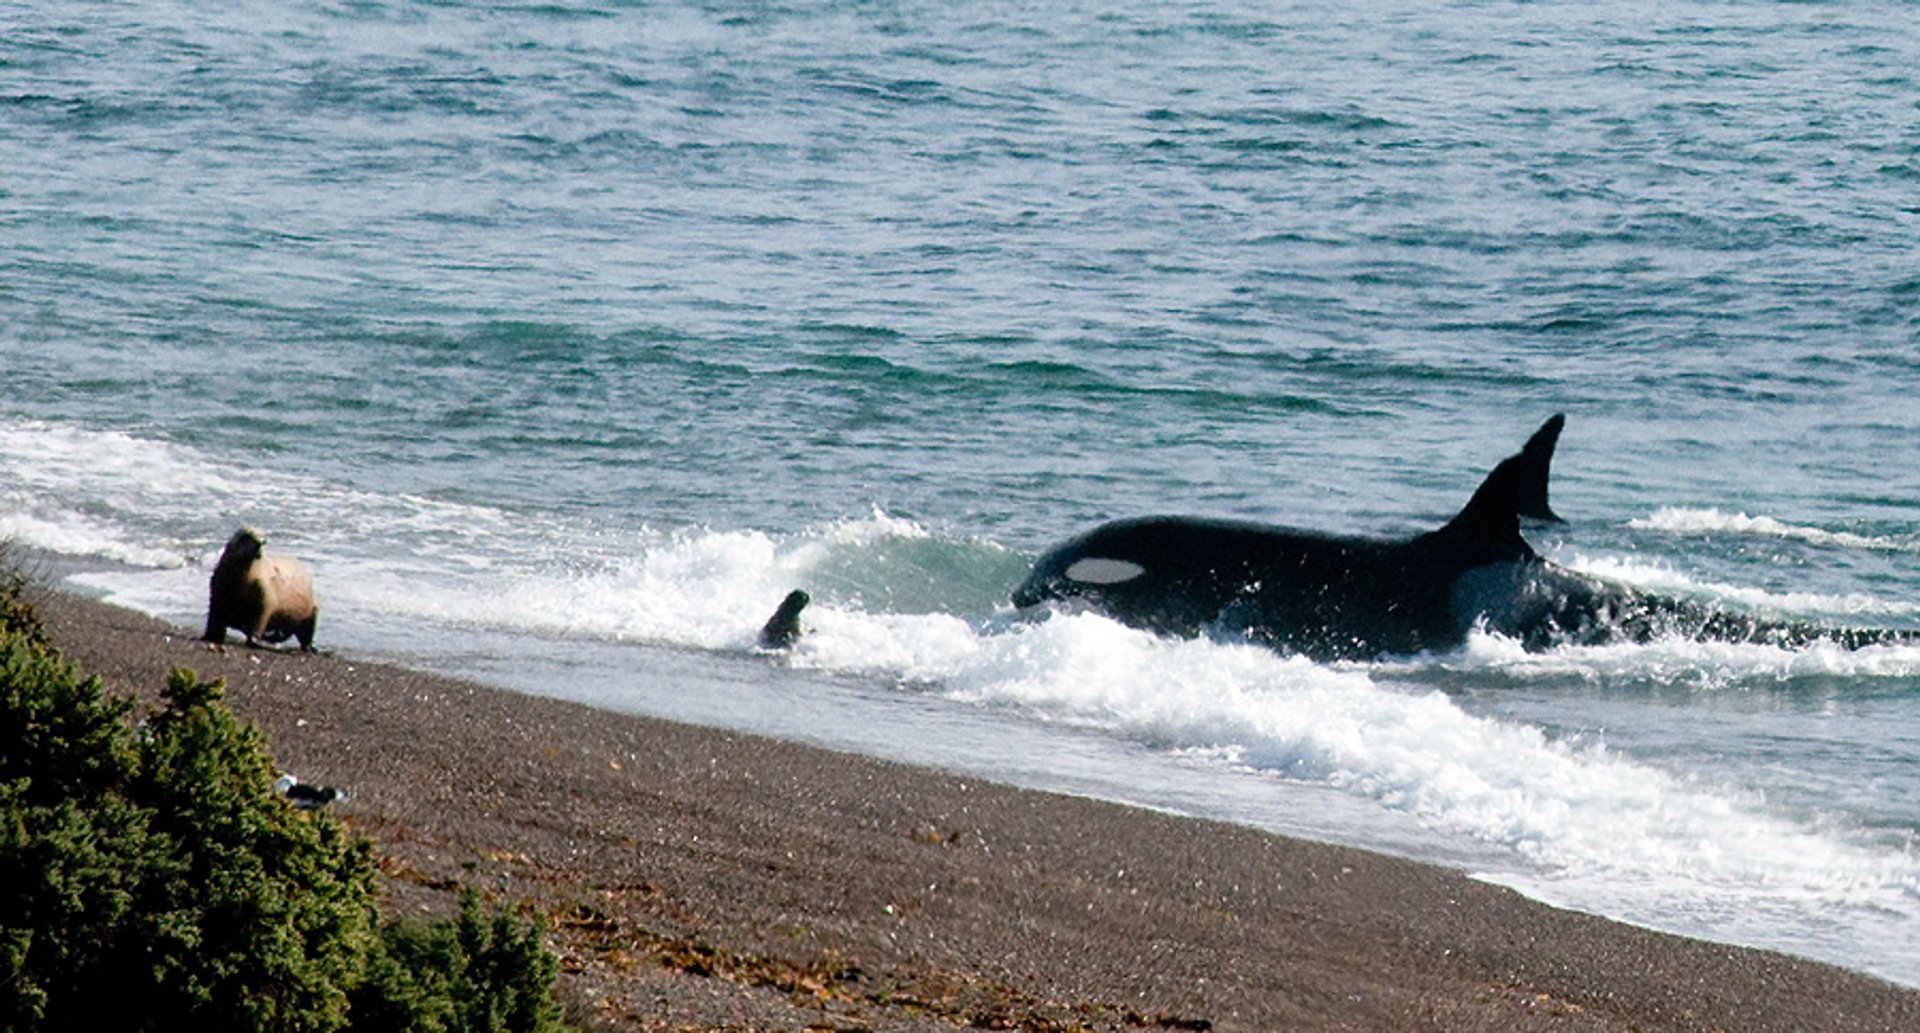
column 1337, row 597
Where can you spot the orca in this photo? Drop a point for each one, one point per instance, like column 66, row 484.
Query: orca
column 1337, row 597
column 1536, row 462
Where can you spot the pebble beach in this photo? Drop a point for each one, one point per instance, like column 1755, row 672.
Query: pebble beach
column 700, row 879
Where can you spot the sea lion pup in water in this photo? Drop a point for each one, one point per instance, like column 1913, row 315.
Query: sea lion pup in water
column 269, row 598
column 782, row 629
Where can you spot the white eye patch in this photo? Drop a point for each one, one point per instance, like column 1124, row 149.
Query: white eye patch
column 1096, row 571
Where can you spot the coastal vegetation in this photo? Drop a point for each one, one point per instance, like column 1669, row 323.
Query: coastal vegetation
column 151, row 878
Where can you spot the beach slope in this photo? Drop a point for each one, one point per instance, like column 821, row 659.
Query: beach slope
column 700, row 879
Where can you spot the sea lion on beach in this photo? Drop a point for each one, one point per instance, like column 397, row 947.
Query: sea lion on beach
column 782, row 629
column 268, row 598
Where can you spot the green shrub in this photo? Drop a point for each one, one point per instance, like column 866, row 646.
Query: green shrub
column 16, row 614
column 473, row 975
column 153, row 880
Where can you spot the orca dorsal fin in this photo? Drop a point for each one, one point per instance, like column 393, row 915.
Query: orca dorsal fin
column 1536, row 460
column 1492, row 517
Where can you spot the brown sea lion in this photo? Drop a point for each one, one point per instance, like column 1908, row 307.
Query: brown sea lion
column 268, row 598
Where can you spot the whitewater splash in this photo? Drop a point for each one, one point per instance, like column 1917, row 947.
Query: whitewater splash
column 1576, row 817
column 163, row 511
column 1684, row 521
column 1566, row 807
column 1663, row 579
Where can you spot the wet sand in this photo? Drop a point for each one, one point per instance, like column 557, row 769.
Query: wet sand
column 700, row 879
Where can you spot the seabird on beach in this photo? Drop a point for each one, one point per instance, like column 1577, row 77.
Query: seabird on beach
column 304, row 796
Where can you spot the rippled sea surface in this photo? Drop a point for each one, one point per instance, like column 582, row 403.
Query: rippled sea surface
column 563, row 339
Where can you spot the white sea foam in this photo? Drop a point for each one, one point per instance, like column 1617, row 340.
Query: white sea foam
column 700, row 590
column 1571, row 808
column 1658, row 577
column 168, row 508
column 74, row 534
column 177, row 501
column 1579, row 819
column 1580, row 823
column 1685, row 661
column 52, row 458
column 1686, row 521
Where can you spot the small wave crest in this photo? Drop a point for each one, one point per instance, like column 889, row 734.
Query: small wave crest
column 1685, row 521
column 68, row 533
column 1572, row 807
column 703, row 588
column 1657, row 577
column 1682, row 662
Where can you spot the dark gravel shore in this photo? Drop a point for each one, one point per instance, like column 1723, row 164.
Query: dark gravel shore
column 698, row 879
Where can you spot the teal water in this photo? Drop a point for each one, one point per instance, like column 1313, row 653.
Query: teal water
column 565, row 338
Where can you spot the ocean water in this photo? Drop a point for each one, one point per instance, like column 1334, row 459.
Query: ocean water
column 563, row 339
